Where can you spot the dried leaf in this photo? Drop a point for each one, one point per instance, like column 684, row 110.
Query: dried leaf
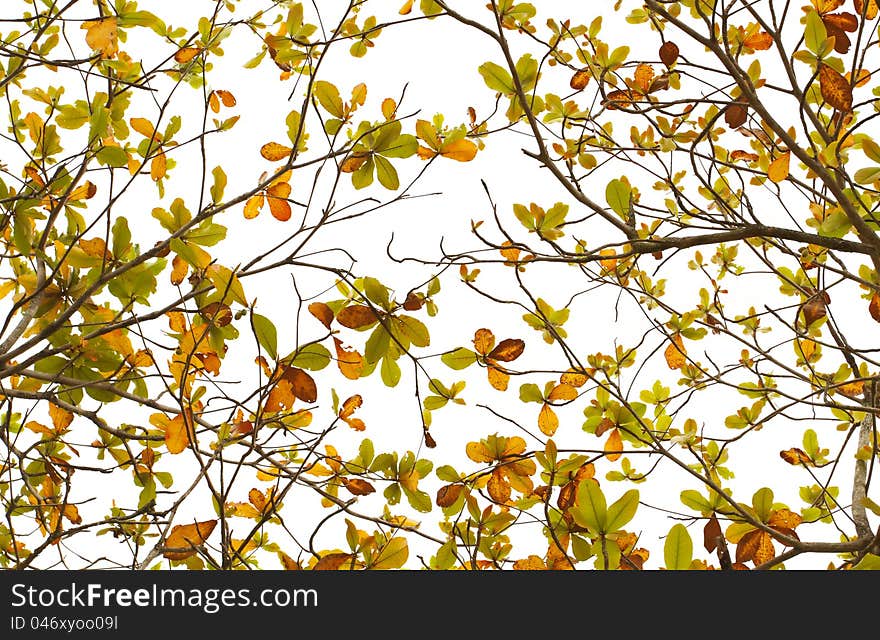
column 507, row 350
column 61, row 418
column 356, row 316
column 759, row 42
column 580, row 79
column 351, row 363
column 302, row 383
column 186, row 54
column 835, row 89
column 484, row 340
column 181, row 542
column 498, row 378
column 669, row 53
column 322, row 312
column 736, row 114
column 874, row 306
column 867, row 9
column 795, row 456
column 784, row 518
column 447, row 495
column 498, row 487
column 712, row 534
column 333, row 561
column 358, row 487
column 614, row 446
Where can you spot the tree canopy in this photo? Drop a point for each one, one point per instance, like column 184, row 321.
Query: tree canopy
column 645, row 340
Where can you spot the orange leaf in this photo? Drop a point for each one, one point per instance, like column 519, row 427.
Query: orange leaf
column 158, row 167
column 176, row 434
column 870, row 11
column 186, row 54
column 574, row 379
column 548, row 421
column 179, row 269
column 779, row 168
column 676, row 353
column 353, row 162
column 580, row 79
column 276, row 197
column 498, row 487
column 389, row 108
column 744, row 155
column 226, row 97
column 61, row 418
column 181, row 542
column 102, row 36
column 614, row 445
column 669, row 53
column 322, row 312
column 85, row 191
column 835, row 89
column 257, row 499
column 484, row 340
column 351, row 363
column 644, row 75
column 96, row 247
column 358, row 487
column 406, row 8
column 532, row 563
column 253, row 206
column 619, row 98
column 281, row 397
column 273, row 151
column 785, row 518
column 498, row 379
column 425, row 153
column 333, row 561
column 143, row 127
column 356, row 316
column 448, row 494
column 748, row 545
column 795, row 456
column 759, row 41
column 288, row 563
column 351, row 405
column 460, row 150
column 507, row 350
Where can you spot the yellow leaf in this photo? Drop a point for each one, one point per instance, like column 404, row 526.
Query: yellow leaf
column 393, row 555
column 274, row 151
column 548, row 422
column 101, row 36
column 179, row 269
column 61, row 418
column 253, row 206
column 532, row 563
column 778, row 169
column 158, row 167
column 676, row 353
column 498, row 378
column 144, row 127
column 563, row 392
column 614, row 445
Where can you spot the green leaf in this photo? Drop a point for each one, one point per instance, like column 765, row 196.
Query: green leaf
column 591, row 511
column 815, row 32
column 762, row 501
column 867, row 175
column 267, row 334
column 415, row 330
column 121, row 236
column 527, row 70
column 387, row 174
column 696, row 501
column 530, row 392
column 390, row 372
column 313, row 357
column 393, row 555
column 459, row 359
column 870, row 562
column 619, row 195
column 871, row 149
column 679, row 549
column 623, row 510
column 112, row 156
column 225, row 281
column 497, row 78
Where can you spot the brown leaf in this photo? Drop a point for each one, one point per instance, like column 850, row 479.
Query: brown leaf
column 795, row 456
column 218, row 313
column 785, row 519
column 413, row 301
column 669, row 53
column 748, row 545
column 333, row 561
column 736, row 114
column 274, row 151
column 567, row 495
column 712, row 534
column 181, row 542
column 675, row 353
column 288, row 563
column 744, row 155
column 226, row 97
column 580, row 79
column 507, row 350
column 358, row 487
column 353, row 162
column 448, row 495
column 356, row 316
column 835, row 89
column 874, row 307
column 813, row 310
column 350, row 405
column 302, row 383
column 322, row 312
column 619, row 98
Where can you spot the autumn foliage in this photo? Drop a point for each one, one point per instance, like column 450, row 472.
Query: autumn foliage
column 668, row 363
